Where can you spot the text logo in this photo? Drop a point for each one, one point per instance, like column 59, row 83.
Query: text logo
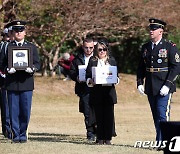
column 150, row 144
column 174, row 144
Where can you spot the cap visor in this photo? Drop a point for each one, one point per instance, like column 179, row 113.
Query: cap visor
column 18, row 28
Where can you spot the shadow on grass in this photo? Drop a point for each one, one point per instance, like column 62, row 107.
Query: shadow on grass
column 65, row 138
column 51, row 137
column 75, row 139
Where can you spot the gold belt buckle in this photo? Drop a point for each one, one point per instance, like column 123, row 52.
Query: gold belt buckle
column 151, row 69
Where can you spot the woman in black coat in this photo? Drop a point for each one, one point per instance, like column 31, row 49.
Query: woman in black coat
column 102, row 96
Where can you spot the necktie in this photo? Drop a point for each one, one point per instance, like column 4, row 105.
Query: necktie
column 19, row 44
column 154, row 45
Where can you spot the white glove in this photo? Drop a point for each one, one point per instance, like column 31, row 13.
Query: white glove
column 11, row 70
column 29, row 70
column 164, row 90
column 2, row 75
column 141, row 89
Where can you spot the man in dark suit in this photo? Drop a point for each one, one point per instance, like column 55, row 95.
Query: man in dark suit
column 159, row 65
column 19, row 84
column 81, row 89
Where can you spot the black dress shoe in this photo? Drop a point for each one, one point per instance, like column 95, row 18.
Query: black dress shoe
column 5, row 134
column 15, row 141
column 23, row 141
column 100, row 142
column 91, row 136
column 108, row 142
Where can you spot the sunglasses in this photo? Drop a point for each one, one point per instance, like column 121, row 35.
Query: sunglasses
column 100, row 49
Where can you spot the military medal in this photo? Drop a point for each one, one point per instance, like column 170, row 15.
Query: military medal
column 162, row 53
column 159, row 61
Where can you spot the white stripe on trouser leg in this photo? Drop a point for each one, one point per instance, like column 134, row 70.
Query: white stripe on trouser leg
column 27, row 133
column 168, row 107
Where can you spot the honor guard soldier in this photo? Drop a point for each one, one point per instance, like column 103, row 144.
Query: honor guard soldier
column 19, row 83
column 6, row 128
column 3, row 103
column 159, row 66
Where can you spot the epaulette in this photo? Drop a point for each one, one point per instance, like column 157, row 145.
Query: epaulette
column 172, row 43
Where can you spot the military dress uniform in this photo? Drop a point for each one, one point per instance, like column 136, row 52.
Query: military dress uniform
column 159, row 66
column 19, row 86
column 5, row 119
column 2, row 102
column 1, row 97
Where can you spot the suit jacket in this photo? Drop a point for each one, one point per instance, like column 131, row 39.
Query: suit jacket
column 20, row 80
column 99, row 93
column 80, row 88
column 165, row 54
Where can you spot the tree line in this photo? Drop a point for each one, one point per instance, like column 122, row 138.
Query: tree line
column 59, row 26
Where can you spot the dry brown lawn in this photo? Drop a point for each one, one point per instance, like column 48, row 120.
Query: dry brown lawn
column 56, row 126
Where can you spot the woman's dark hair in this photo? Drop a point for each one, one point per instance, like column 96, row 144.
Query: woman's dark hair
column 105, row 43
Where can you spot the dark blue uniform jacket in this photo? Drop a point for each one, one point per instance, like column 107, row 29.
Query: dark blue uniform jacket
column 20, row 80
column 164, row 55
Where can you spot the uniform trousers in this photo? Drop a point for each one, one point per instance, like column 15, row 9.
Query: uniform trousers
column 20, row 109
column 160, row 108
column 105, row 120
column 2, row 113
column 5, row 114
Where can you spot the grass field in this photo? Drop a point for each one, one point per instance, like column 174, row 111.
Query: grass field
column 56, row 126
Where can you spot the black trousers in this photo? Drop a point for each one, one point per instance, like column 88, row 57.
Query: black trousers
column 89, row 114
column 105, row 120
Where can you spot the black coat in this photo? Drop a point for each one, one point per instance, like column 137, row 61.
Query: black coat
column 99, row 93
column 20, row 80
column 80, row 88
column 165, row 54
